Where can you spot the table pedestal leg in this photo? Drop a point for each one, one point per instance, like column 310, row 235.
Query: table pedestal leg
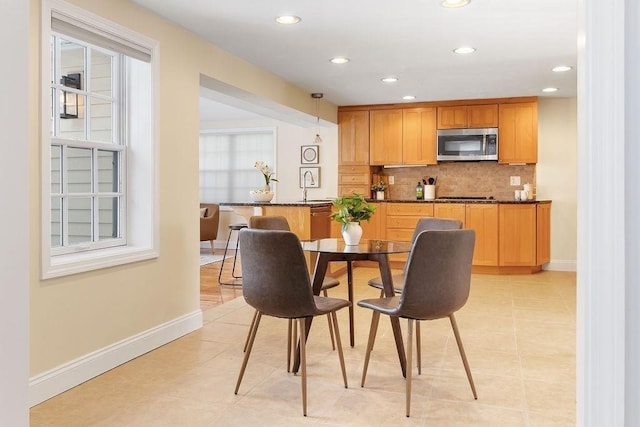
column 350, row 297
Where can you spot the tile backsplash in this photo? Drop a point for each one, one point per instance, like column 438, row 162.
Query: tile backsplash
column 479, row 179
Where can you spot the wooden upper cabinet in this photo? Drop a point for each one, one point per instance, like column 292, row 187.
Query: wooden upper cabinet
column 353, row 137
column 482, row 116
column 419, row 136
column 468, row 116
column 518, row 133
column 452, row 117
column 385, row 139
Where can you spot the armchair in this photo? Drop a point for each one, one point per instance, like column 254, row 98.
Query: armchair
column 209, row 223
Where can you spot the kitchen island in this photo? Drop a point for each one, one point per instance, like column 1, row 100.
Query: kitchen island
column 308, row 220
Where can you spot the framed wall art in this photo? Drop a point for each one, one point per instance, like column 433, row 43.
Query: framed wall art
column 310, row 176
column 309, row 154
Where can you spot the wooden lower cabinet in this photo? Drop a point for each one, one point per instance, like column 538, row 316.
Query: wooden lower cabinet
column 483, row 218
column 517, row 231
column 450, row 210
column 402, row 219
column 510, row 237
column 543, row 230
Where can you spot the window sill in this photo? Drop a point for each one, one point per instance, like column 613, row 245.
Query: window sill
column 64, row 265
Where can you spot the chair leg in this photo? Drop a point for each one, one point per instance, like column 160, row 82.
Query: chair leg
column 253, row 322
column 339, row 342
column 235, row 258
column 333, row 342
column 224, row 257
column 248, row 352
column 454, row 325
column 372, row 337
column 409, row 368
column 213, row 249
column 290, row 342
column 418, row 347
column 292, row 337
column 303, row 364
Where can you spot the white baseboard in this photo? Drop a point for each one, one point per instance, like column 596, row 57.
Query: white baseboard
column 560, row 265
column 57, row 380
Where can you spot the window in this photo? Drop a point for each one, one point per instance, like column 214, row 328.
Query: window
column 226, row 163
column 99, row 147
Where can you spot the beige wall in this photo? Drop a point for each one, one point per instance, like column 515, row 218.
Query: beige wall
column 556, row 175
column 75, row 315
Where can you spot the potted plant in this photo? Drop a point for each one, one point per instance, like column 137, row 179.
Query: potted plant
column 263, row 194
column 351, row 210
column 379, row 188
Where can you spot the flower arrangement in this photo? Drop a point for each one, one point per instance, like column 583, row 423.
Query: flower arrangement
column 352, row 208
column 379, row 186
column 266, row 172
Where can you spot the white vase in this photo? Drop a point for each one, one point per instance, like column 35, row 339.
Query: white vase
column 379, row 195
column 261, row 195
column 352, row 233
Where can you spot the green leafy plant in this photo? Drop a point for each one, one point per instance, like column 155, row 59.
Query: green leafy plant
column 379, row 186
column 352, row 208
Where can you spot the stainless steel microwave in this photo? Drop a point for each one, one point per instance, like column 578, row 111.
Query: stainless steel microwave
column 468, row 145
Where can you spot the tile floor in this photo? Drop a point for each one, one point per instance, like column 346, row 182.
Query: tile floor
column 518, row 332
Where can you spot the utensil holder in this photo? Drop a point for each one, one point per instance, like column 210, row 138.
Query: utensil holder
column 429, row 192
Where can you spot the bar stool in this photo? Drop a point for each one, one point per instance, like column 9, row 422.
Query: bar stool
column 235, row 281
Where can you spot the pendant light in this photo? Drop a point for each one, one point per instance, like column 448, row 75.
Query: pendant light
column 317, row 96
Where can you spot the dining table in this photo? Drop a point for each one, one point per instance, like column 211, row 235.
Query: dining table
column 335, row 250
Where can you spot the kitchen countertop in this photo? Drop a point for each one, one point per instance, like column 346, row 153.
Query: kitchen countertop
column 309, row 203
column 468, row 201
column 327, row 202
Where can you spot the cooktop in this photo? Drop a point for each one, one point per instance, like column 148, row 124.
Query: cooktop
column 467, row 197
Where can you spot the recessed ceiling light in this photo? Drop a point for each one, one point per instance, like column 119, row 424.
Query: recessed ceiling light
column 390, row 79
column 408, row 97
column 288, row 19
column 464, row 50
column 454, row 3
column 561, row 68
column 550, row 89
column 340, row 60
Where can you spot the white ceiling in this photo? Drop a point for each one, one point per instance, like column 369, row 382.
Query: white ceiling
column 517, row 42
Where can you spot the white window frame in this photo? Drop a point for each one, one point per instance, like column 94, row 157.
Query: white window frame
column 142, row 238
column 121, row 148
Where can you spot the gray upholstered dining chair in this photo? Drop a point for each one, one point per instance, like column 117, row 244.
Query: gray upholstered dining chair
column 437, row 282
column 275, row 281
column 424, row 224
column 277, row 222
